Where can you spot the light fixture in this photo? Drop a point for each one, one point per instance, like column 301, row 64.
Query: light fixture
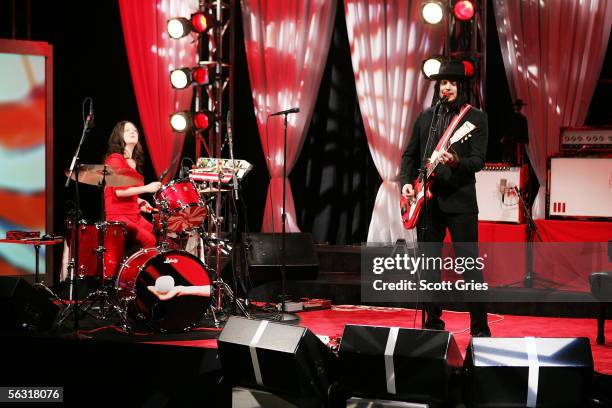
column 431, row 66
column 181, row 78
column 183, row 121
column 432, row 12
column 198, row 23
column 201, row 21
column 178, row 27
column 464, row 10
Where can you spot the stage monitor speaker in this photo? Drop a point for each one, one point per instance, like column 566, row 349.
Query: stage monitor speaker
column 392, row 363
column 289, row 361
column 528, row 372
column 23, row 307
column 264, row 257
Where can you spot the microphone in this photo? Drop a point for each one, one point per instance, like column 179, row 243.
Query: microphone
column 184, row 172
column 89, row 122
column 442, row 100
column 502, row 188
column 292, row 110
column 164, row 284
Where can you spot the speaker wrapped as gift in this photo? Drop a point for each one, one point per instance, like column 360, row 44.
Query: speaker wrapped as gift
column 289, row 361
column 393, row 363
column 528, row 372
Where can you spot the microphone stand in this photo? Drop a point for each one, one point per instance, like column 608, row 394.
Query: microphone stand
column 74, row 168
column 423, row 179
column 283, row 316
column 532, row 229
column 236, row 302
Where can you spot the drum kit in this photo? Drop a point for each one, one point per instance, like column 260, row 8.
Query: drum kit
column 166, row 287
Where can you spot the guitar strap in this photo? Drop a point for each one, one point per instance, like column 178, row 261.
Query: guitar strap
column 451, row 128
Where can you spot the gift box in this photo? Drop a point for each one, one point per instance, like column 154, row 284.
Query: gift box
column 528, row 372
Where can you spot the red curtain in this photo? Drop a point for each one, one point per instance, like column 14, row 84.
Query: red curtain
column 388, row 44
column 286, row 46
column 151, row 55
column 553, row 52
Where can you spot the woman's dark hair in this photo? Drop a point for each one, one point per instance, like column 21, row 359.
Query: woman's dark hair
column 463, row 95
column 116, row 144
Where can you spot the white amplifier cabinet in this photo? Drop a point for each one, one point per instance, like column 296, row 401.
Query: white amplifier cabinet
column 580, row 187
column 496, row 194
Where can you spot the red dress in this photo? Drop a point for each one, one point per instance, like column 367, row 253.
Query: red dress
column 126, row 209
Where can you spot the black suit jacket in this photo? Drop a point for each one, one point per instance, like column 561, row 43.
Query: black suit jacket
column 454, row 188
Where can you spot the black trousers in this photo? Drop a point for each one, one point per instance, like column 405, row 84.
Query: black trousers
column 463, row 228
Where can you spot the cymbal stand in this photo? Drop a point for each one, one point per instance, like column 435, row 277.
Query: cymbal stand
column 73, row 306
column 107, row 304
column 219, row 285
column 163, row 220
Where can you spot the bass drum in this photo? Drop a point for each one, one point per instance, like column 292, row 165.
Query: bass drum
column 142, row 269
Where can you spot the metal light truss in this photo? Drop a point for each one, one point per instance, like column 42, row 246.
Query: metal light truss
column 211, row 51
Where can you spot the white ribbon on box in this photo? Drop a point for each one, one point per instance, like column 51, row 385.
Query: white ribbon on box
column 389, row 366
column 253, row 350
column 534, row 371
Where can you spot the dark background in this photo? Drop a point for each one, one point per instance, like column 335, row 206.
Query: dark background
column 334, row 182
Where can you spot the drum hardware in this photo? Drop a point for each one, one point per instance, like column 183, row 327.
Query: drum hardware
column 221, row 288
column 106, row 266
column 181, row 205
column 37, row 243
column 138, row 277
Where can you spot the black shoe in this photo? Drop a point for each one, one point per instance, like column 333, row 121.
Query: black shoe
column 437, row 324
column 481, row 333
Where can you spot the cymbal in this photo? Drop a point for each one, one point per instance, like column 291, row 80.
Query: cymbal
column 113, row 177
column 211, row 190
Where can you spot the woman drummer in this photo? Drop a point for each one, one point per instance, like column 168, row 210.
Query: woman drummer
column 126, row 156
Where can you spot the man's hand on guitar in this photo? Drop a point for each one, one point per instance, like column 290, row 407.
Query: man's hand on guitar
column 408, row 192
column 450, row 159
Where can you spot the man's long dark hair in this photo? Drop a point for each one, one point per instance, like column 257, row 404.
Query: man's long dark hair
column 463, row 95
column 116, row 144
column 448, row 110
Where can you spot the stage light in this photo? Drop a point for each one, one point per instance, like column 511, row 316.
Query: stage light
column 201, row 121
column 198, row 23
column 464, row 10
column 178, row 27
column 432, row 12
column 179, row 121
column 431, row 66
column 183, row 121
column 181, row 78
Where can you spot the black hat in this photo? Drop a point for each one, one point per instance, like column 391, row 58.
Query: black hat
column 454, row 70
column 518, row 102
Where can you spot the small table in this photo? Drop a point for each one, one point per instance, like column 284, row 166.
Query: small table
column 37, row 242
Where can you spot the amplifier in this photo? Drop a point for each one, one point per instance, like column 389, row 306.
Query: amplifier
column 496, row 194
column 580, row 187
column 574, row 139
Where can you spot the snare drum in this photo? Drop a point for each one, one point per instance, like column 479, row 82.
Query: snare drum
column 89, row 241
column 181, row 201
column 143, row 268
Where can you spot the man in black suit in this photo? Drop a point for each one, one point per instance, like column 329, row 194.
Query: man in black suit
column 453, row 205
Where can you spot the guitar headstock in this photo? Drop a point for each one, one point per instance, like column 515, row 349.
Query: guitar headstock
column 459, row 138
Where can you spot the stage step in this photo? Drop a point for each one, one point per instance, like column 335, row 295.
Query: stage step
column 339, row 258
column 339, row 280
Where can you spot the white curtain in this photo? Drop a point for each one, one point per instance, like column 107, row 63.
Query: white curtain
column 388, row 43
column 553, row 52
column 286, row 47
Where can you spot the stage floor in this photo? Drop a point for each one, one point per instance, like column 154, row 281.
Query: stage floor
column 330, row 323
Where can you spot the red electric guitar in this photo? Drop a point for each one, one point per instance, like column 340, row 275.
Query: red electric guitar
column 411, row 210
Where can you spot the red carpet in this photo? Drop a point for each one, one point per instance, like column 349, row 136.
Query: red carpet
column 331, row 323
